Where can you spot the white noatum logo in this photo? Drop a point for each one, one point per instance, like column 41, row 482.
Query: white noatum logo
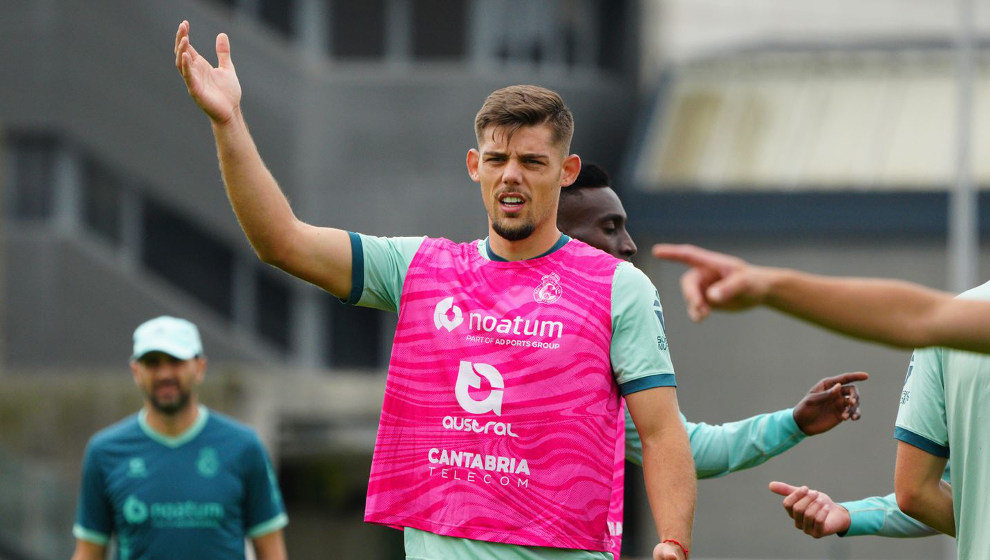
column 440, row 318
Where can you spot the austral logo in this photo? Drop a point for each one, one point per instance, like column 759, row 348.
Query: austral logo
column 469, row 375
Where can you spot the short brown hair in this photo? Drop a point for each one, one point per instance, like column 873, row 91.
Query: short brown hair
column 516, row 106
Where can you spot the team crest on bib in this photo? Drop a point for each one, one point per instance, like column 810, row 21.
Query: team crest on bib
column 549, row 290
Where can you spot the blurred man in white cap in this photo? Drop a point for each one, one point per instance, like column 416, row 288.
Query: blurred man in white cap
column 176, row 480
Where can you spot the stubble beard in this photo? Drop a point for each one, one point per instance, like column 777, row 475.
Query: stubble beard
column 513, row 233
column 171, row 408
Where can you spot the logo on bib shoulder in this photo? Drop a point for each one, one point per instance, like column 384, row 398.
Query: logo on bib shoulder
column 549, row 290
column 441, row 314
column 469, row 375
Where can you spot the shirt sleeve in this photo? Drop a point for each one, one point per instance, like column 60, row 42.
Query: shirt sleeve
column 639, row 353
column 378, row 269
column 264, row 511
column 921, row 418
column 734, row 446
column 880, row 516
column 94, row 513
column 721, row 449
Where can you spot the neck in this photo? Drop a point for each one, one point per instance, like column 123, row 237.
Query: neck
column 172, row 425
column 539, row 242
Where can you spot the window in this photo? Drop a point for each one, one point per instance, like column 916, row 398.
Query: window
column 355, row 336
column 273, row 306
column 102, row 190
column 185, row 255
column 29, row 196
column 357, row 29
column 439, row 29
column 278, row 14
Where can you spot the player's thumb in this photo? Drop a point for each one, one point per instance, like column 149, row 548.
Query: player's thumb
column 223, row 51
column 782, row 488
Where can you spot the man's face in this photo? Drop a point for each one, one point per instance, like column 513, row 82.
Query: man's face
column 596, row 216
column 166, row 381
column 520, row 178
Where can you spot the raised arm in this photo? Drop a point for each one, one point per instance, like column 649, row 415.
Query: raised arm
column 667, row 467
column 721, row 449
column 318, row 255
column 887, row 311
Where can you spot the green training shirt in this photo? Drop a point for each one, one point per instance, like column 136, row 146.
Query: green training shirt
column 944, row 409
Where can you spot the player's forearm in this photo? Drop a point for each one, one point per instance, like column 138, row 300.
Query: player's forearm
column 880, row 516
column 889, row 311
column 670, row 483
column 88, row 551
column 734, row 446
column 261, row 207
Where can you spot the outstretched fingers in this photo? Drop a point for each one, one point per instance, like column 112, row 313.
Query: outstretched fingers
column 180, row 32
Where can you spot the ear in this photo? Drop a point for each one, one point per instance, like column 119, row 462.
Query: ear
column 200, row 369
column 569, row 170
column 473, row 159
column 135, row 372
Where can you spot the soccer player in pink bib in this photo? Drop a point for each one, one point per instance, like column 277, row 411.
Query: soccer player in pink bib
column 501, row 413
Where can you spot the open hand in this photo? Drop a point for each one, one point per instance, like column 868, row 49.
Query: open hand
column 216, row 90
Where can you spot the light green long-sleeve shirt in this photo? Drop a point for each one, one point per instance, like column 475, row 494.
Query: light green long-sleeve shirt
column 734, row 446
column 880, row 516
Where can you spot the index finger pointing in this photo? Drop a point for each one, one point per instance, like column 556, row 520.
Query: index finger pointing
column 782, row 488
column 689, row 254
column 844, row 378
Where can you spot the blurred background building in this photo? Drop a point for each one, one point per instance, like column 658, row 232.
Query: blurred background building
column 817, row 135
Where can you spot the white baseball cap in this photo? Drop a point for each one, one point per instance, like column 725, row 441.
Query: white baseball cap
column 176, row 337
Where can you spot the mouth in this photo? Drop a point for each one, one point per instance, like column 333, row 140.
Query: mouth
column 166, row 388
column 511, row 203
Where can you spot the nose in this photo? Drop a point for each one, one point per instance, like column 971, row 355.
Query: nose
column 627, row 247
column 512, row 172
column 164, row 368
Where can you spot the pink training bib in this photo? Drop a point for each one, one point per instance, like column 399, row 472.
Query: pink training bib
column 501, row 413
